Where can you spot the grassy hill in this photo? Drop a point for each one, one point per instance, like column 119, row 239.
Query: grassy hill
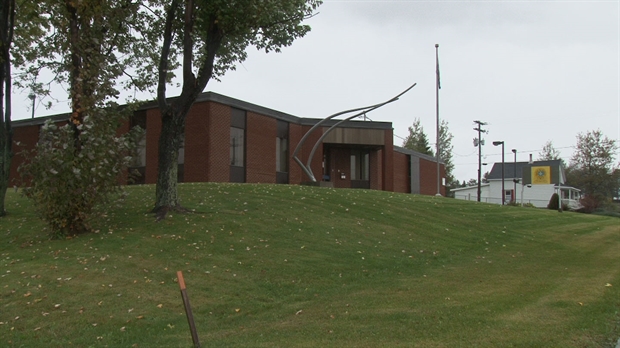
column 298, row 266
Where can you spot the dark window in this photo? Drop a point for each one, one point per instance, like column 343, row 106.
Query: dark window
column 360, row 165
column 282, row 147
column 282, row 155
column 237, row 146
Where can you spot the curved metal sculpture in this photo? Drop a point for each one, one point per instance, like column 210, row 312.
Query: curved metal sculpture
column 363, row 110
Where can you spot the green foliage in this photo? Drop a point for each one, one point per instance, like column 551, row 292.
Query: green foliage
column 445, row 151
column 66, row 185
column 417, row 140
column 593, row 168
column 97, row 47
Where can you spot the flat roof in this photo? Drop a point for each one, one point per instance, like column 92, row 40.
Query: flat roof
column 232, row 102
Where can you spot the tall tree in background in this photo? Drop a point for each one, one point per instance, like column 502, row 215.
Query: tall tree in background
column 212, row 37
column 445, row 152
column 417, row 140
column 7, row 20
column 593, row 168
column 548, row 153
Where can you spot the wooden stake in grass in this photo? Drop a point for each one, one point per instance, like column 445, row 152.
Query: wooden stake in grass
column 188, row 310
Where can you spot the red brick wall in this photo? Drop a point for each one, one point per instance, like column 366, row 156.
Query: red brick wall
column 428, row 177
column 317, row 160
column 401, row 170
column 340, row 159
column 295, row 175
column 153, row 130
column 296, row 132
column 207, row 151
column 27, row 138
column 376, row 169
column 260, row 156
column 197, row 130
column 218, row 143
column 124, row 128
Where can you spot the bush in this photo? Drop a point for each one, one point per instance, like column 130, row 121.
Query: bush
column 554, row 202
column 590, row 203
column 68, row 178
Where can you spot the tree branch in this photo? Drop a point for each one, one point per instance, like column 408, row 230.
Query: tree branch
column 165, row 53
column 189, row 80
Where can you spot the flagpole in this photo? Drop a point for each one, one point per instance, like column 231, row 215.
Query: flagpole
column 437, row 109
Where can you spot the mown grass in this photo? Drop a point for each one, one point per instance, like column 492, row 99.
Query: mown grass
column 298, row 266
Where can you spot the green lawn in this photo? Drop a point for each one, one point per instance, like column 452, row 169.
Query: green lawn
column 299, row 266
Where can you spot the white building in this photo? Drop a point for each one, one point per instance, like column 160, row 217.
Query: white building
column 524, row 182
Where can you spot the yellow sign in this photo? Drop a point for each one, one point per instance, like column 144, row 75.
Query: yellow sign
column 541, row 175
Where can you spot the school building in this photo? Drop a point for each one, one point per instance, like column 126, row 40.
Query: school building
column 230, row 140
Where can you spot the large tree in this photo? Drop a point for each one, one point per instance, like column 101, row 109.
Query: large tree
column 94, row 48
column 7, row 20
column 593, row 168
column 549, row 153
column 417, row 140
column 212, row 36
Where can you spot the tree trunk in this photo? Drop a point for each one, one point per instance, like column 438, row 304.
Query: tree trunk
column 7, row 20
column 166, row 195
column 5, row 166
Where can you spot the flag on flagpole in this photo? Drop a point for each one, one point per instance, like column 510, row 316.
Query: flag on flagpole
column 437, row 61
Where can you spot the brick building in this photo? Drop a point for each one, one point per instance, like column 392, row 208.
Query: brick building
column 230, row 140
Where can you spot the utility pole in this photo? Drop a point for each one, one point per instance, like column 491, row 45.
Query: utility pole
column 438, row 85
column 479, row 142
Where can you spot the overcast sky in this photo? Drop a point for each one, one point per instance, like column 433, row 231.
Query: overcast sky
column 533, row 70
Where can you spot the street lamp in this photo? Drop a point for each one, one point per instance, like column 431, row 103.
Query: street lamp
column 497, row 143
column 514, row 179
column 523, row 187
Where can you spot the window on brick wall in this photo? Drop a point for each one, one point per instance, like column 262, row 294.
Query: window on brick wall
column 237, row 145
column 360, row 165
column 282, row 151
column 282, row 155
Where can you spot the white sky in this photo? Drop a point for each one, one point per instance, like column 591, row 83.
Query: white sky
column 533, row 70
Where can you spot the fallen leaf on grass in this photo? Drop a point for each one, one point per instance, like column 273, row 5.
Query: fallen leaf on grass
column 608, row 285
